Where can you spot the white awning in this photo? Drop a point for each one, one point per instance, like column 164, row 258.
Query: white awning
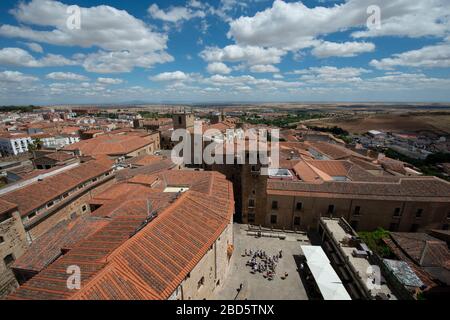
column 330, row 285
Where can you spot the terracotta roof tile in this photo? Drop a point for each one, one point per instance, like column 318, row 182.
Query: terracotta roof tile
column 39, row 193
column 118, row 263
column 110, row 144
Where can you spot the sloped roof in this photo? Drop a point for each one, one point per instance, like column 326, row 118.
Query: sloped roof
column 126, row 260
column 403, row 188
column 424, row 249
column 6, row 206
column 62, row 236
column 37, row 194
column 110, row 144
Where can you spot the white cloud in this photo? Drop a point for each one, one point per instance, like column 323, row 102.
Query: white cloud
column 21, row 58
column 15, row 76
column 293, row 26
column 109, row 80
column 264, row 68
column 249, row 54
column 170, row 76
column 64, row 76
column 174, row 14
column 346, row 49
column 328, row 75
column 36, row 47
column 114, row 31
column 435, row 56
column 122, row 61
column 218, row 68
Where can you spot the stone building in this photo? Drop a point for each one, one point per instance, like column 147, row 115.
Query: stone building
column 12, row 245
column 316, row 179
column 45, row 200
column 118, row 146
column 167, row 236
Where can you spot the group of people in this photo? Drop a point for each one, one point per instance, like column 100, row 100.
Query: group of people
column 261, row 262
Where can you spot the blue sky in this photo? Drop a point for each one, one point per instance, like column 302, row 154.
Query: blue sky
column 224, row 51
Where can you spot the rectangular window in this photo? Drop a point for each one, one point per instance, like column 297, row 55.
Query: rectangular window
column 251, row 203
column 296, row 221
column 357, row 211
column 397, row 212
column 84, row 208
column 274, row 205
column 299, row 206
column 273, row 219
column 251, row 217
column 419, row 213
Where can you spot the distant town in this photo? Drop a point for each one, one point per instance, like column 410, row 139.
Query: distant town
column 93, row 206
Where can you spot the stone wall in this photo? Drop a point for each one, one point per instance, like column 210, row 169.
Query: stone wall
column 72, row 208
column 13, row 242
column 372, row 213
column 210, row 273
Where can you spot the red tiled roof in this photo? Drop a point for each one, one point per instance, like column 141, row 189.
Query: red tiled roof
column 37, row 194
column 403, row 188
column 424, row 249
column 110, row 144
column 6, row 206
column 118, row 263
column 64, row 235
column 59, row 156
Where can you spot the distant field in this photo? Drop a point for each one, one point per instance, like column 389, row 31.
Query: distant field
column 436, row 123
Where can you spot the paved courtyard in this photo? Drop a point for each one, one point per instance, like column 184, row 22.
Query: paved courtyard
column 255, row 286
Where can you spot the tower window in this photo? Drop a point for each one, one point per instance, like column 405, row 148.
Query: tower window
column 274, row 204
column 419, row 213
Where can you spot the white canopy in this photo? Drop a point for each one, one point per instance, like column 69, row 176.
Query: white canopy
column 330, row 285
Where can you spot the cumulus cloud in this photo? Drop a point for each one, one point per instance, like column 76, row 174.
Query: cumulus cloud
column 346, row 49
column 293, row 26
column 114, row 31
column 122, row 61
column 64, row 76
column 435, row 56
column 21, row 58
column 264, row 68
column 109, row 80
column 170, row 76
column 218, row 68
column 250, row 54
column 175, row 14
column 36, row 47
column 329, row 75
column 15, row 76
